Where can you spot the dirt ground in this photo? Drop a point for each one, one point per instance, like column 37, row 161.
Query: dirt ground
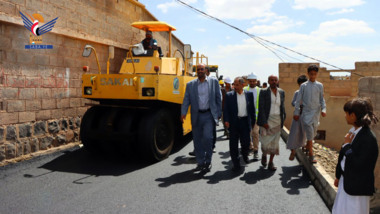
column 327, row 157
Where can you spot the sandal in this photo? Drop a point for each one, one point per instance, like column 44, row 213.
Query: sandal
column 305, row 150
column 264, row 160
column 312, row 159
column 272, row 167
column 292, row 155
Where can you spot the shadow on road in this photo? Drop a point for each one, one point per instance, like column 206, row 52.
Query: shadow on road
column 225, row 175
column 258, row 175
column 179, row 160
column 294, row 178
column 80, row 161
column 224, row 155
column 181, row 177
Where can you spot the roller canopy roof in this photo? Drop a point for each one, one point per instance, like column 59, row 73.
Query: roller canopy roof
column 153, row 26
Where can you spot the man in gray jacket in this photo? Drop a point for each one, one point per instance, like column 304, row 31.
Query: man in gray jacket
column 204, row 97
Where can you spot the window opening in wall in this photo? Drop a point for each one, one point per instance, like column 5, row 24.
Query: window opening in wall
column 340, row 75
column 321, row 135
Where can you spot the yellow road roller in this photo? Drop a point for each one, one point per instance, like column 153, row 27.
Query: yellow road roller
column 139, row 107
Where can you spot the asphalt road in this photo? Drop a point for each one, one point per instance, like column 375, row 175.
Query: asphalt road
column 74, row 182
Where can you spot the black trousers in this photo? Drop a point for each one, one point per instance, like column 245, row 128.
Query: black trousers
column 214, row 135
column 241, row 131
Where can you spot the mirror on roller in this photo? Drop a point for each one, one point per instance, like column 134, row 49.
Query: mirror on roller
column 111, row 52
column 187, row 50
column 87, row 50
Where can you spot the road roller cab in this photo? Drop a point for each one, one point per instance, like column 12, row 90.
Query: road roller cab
column 139, row 107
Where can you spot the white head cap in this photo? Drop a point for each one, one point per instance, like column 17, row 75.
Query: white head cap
column 228, row 80
column 252, row 76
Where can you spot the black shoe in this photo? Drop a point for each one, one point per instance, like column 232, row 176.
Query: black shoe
column 245, row 159
column 192, row 153
column 207, row 167
column 271, row 166
column 256, row 155
column 264, row 160
column 199, row 168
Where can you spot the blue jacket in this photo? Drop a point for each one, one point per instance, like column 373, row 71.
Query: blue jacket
column 230, row 113
column 191, row 99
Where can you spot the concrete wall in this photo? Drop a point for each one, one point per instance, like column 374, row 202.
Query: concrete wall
column 336, row 93
column 40, row 90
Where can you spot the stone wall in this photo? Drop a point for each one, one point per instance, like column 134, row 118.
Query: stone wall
column 335, row 124
column 336, row 93
column 26, row 138
column 44, row 86
column 370, row 87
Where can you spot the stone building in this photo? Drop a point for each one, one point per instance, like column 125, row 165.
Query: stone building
column 40, row 89
column 363, row 82
column 337, row 91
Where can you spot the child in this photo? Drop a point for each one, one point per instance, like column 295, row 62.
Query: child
column 357, row 159
column 297, row 136
column 311, row 97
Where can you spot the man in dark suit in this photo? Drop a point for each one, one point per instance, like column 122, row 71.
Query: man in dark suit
column 239, row 117
column 204, row 97
column 271, row 120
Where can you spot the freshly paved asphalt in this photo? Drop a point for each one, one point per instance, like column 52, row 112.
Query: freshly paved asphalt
column 74, row 182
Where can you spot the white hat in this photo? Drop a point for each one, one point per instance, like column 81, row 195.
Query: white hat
column 228, row 80
column 252, row 76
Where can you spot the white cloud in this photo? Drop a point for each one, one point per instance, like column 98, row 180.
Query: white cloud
column 248, row 55
column 164, row 7
column 279, row 24
column 342, row 11
column 326, row 4
column 239, row 9
column 201, row 30
column 342, row 27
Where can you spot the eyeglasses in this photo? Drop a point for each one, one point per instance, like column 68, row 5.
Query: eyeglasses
column 200, row 69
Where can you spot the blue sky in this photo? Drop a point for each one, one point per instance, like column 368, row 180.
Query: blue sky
column 339, row 32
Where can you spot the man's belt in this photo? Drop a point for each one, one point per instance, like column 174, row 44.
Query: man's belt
column 203, row 111
column 242, row 118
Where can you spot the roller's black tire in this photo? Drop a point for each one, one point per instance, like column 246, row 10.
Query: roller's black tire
column 89, row 126
column 156, row 134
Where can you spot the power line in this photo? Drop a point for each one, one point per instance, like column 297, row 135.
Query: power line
column 284, row 53
column 265, row 46
column 257, row 37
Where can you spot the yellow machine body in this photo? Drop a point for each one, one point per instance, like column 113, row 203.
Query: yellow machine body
column 140, row 105
column 163, row 75
column 127, row 86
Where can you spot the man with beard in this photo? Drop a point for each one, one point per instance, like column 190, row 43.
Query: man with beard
column 204, row 96
column 271, row 120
